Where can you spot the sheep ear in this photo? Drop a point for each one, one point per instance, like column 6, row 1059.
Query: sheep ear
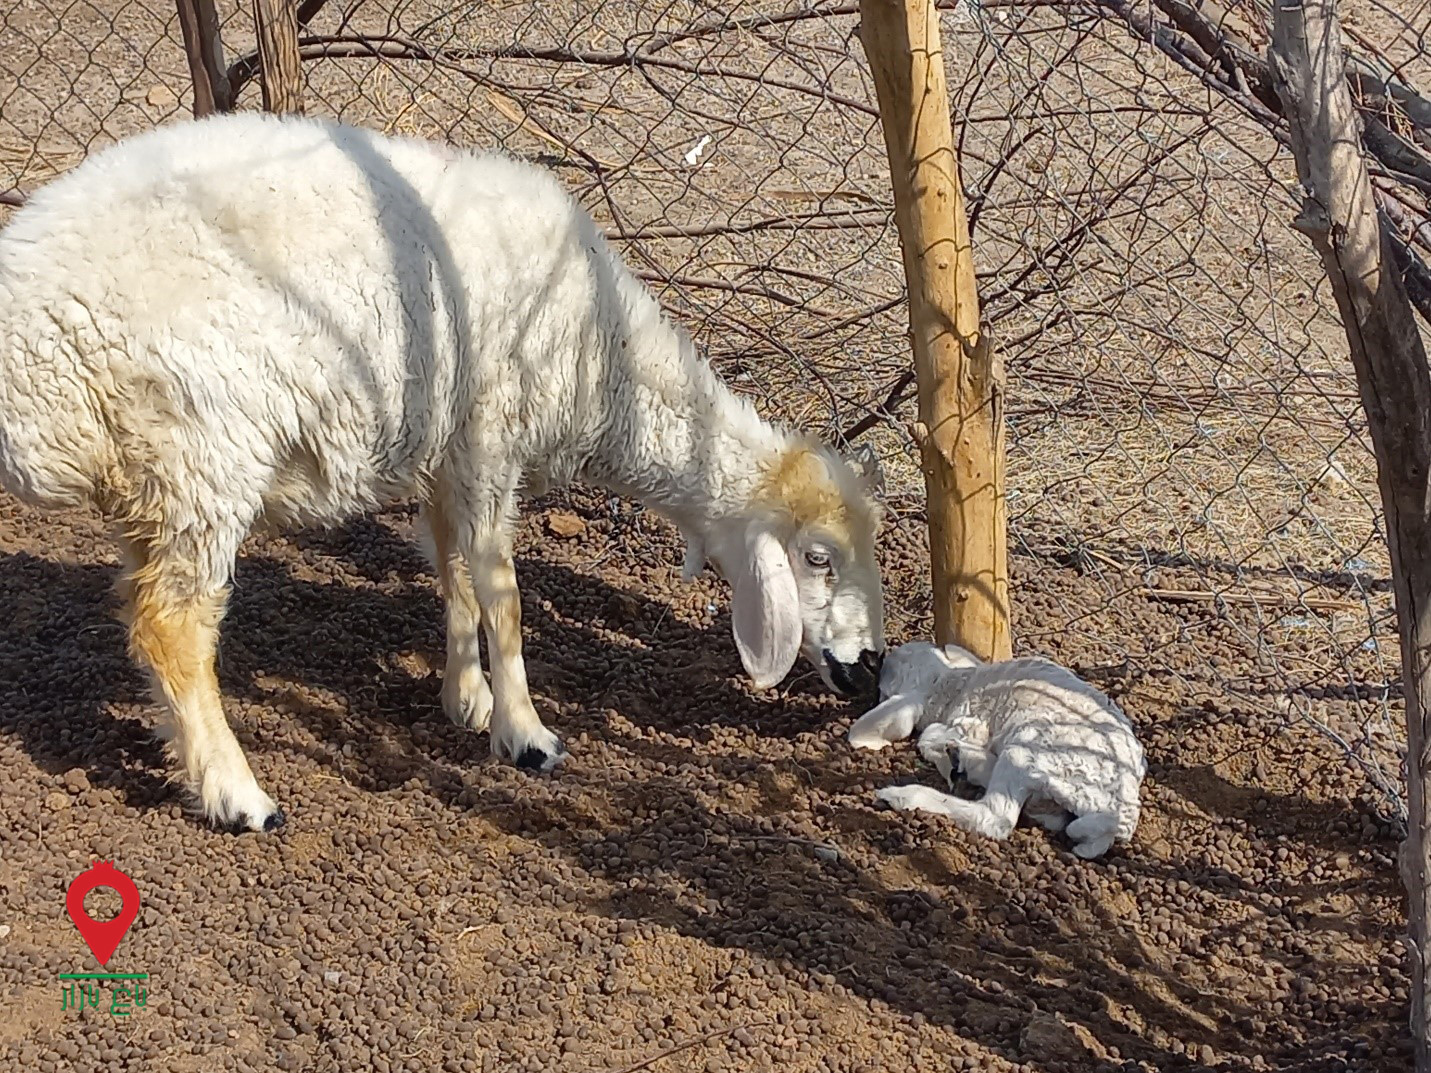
column 765, row 609
column 866, row 464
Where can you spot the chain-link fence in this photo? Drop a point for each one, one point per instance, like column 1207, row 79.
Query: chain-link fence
column 1192, row 495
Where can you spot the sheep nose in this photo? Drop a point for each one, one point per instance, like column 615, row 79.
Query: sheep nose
column 854, row 678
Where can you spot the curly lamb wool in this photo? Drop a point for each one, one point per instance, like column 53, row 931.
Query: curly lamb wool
column 1033, row 734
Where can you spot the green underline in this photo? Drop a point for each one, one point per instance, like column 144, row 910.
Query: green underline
column 104, row 976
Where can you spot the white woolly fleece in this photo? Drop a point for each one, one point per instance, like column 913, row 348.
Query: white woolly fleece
column 259, row 319
column 294, row 387
column 1029, row 731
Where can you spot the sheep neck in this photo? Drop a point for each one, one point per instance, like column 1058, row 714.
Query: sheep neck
column 679, row 440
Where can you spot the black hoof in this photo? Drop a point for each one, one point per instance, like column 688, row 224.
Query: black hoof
column 274, row 821
column 539, row 760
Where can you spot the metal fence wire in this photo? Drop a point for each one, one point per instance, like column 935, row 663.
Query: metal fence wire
column 1192, row 494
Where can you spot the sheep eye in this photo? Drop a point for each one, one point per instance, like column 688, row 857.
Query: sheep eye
column 818, row 559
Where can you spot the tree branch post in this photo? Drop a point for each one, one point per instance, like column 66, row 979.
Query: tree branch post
column 1339, row 216
column 280, row 69
column 203, row 45
column 961, row 381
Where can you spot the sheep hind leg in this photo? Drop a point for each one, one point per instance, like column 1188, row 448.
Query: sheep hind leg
column 518, row 734
column 1092, row 834
column 1049, row 815
column 173, row 632
column 466, row 696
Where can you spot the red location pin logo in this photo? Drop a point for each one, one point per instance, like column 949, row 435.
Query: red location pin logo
column 102, row 936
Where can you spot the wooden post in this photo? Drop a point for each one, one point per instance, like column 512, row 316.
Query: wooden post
column 1339, row 216
column 961, row 381
column 205, row 48
column 280, row 73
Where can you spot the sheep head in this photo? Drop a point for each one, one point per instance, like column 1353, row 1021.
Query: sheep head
column 800, row 558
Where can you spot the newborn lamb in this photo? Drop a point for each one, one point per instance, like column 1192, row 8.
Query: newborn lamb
column 1027, row 730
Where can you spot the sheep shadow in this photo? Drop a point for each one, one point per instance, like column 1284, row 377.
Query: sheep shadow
column 945, row 945
column 64, row 668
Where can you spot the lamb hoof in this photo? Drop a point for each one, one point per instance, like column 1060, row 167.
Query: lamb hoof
column 275, row 821
column 904, row 798
column 1054, row 820
column 1093, row 848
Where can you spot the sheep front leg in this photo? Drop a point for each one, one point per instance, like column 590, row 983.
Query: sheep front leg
column 466, row 697
column 994, row 815
column 940, row 744
column 517, row 731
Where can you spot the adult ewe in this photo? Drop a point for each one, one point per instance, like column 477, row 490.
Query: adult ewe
column 251, row 319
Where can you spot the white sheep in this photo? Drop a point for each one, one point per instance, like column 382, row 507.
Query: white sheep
column 1033, row 734
column 254, row 320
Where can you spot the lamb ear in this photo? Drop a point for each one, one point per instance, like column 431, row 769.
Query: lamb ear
column 765, row 609
column 866, row 464
column 957, row 658
column 890, row 720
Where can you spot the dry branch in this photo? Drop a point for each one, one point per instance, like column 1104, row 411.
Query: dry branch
column 199, row 23
column 1048, row 261
column 824, row 220
column 281, row 75
column 398, row 47
column 1210, row 42
column 1339, row 215
column 715, row 283
column 1273, row 600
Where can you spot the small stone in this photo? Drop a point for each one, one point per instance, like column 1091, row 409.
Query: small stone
column 161, row 97
column 623, row 609
column 565, row 524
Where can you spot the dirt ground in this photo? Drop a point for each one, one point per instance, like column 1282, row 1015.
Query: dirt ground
column 706, row 878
